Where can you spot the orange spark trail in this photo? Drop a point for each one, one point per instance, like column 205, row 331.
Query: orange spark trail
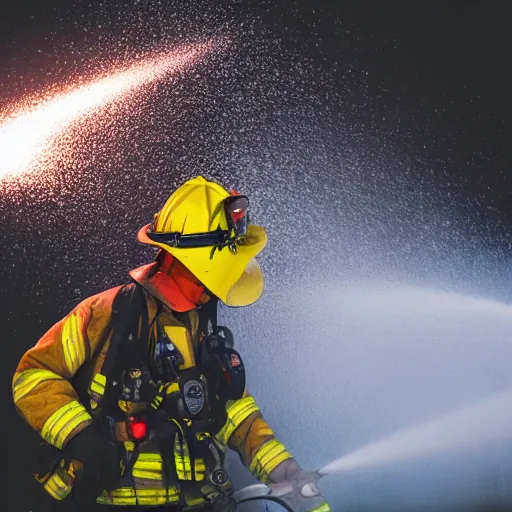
column 27, row 136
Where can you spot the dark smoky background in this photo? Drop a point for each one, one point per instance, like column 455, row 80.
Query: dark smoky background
column 374, row 143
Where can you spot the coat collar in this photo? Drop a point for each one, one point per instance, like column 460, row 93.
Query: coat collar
column 170, row 282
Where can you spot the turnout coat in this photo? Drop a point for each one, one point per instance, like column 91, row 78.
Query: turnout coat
column 58, row 384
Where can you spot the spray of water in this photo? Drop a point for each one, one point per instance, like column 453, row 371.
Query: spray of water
column 481, row 423
column 370, row 363
column 28, row 135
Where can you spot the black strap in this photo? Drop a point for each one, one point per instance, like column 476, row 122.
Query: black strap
column 208, row 317
column 128, row 310
column 126, row 313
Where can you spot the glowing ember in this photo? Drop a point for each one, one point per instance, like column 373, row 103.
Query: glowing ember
column 28, row 135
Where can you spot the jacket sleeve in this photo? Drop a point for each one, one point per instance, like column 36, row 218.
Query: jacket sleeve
column 246, row 432
column 42, row 391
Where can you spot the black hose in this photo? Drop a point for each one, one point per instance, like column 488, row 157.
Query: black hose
column 279, row 501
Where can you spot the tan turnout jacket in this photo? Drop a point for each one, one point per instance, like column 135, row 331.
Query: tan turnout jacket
column 49, row 402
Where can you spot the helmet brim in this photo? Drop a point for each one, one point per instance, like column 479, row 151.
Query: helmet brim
column 235, row 278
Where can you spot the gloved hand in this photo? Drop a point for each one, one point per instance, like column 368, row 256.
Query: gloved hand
column 97, row 457
column 87, row 447
column 304, row 495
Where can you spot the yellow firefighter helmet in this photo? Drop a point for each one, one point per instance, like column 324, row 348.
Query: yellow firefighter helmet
column 207, row 229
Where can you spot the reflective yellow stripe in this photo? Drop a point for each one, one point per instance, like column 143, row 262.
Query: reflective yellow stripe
column 267, row 458
column 98, row 384
column 130, row 496
column 129, row 446
column 148, row 466
column 324, row 507
column 199, row 465
column 157, row 402
column 25, row 381
column 73, row 342
column 238, row 411
column 56, row 487
column 173, row 388
column 192, row 502
column 182, row 460
column 200, row 469
column 62, row 422
column 183, row 467
column 151, row 465
column 183, row 463
column 146, row 475
column 149, row 457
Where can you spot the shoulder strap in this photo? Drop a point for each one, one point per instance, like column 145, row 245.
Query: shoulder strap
column 126, row 312
column 129, row 324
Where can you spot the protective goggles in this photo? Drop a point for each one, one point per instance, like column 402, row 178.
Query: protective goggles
column 236, row 208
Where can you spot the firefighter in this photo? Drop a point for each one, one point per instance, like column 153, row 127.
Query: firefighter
column 138, row 392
